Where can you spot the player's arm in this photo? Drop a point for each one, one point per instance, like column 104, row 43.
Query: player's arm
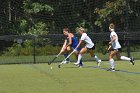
column 70, row 40
column 80, row 42
column 64, row 45
column 113, row 39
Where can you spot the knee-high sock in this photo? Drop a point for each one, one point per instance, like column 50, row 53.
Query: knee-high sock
column 65, row 55
column 112, row 63
column 79, row 58
column 96, row 58
column 125, row 58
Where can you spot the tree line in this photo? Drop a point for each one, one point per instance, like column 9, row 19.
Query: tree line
column 40, row 17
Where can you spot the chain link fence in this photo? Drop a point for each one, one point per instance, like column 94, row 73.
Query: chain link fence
column 42, row 49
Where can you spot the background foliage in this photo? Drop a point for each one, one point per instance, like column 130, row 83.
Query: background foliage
column 42, row 17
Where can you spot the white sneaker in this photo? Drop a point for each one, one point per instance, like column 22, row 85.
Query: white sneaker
column 76, row 63
column 65, row 61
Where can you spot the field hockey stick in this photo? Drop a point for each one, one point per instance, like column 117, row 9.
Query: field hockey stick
column 107, row 49
column 66, row 58
column 54, row 58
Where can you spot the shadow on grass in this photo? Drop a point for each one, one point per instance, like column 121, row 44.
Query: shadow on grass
column 125, row 71
column 96, row 67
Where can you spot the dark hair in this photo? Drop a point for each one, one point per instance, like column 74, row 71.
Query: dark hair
column 66, row 29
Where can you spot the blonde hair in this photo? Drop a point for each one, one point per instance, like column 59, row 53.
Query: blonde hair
column 81, row 29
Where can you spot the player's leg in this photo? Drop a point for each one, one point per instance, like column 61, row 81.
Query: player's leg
column 124, row 58
column 118, row 56
column 76, row 56
column 91, row 52
column 66, row 54
column 111, row 60
column 127, row 59
column 82, row 51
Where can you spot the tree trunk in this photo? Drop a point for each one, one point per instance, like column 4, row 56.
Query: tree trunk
column 9, row 11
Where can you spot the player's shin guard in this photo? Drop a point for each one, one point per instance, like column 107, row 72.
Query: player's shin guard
column 66, row 54
column 96, row 58
column 79, row 59
column 112, row 63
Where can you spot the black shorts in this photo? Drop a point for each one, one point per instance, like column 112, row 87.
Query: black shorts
column 116, row 49
column 93, row 48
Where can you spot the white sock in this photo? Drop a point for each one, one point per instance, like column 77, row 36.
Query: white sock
column 79, row 58
column 112, row 63
column 96, row 58
column 125, row 58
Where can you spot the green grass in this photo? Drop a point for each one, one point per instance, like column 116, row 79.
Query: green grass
column 39, row 78
column 41, row 59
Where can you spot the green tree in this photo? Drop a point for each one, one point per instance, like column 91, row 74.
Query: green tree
column 114, row 11
column 35, row 24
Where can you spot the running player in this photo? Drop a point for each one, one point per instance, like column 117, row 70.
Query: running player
column 70, row 42
column 115, row 49
column 90, row 47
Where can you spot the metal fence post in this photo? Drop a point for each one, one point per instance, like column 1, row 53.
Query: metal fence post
column 127, row 26
column 34, row 50
column 128, row 48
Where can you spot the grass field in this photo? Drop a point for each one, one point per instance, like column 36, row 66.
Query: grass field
column 44, row 59
column 40, row 78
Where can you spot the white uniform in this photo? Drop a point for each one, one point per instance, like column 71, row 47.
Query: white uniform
column 88, row 41
column 115, row 44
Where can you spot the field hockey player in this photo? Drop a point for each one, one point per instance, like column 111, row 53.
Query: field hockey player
column 70, row 43
column 115, row 49
column 90, row 47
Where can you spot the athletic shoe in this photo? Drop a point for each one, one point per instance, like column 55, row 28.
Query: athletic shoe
column 68, row 62
column 76, row 63
column 65, row 62
column 111, row 69
column 132, row 60
column 80, row 65
column 99, row 63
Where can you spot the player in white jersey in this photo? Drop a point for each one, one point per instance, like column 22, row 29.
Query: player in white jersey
column 90, row 47
column 115, row 49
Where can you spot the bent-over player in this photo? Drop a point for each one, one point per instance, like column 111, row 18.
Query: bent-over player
column 90, row 47
column 70, row 42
